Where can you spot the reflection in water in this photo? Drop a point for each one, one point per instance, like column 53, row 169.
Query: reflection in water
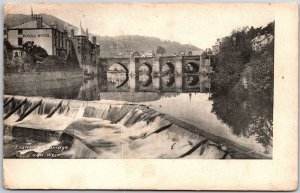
column 116, row 85
column 89, row 90
column 192, row 80
column 117, row 80
column 145, row 80
column 168, row 74
column 168, row 80
column 144, row 76
column 246, row 117
column 59, row 88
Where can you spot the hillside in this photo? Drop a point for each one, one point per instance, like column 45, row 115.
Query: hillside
column 110, row 46
column 12, row 20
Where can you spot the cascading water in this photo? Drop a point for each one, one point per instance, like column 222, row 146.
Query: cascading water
column 95, row 129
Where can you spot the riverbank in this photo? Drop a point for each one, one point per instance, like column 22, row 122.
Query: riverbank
column 51, row 84
column 42, row 76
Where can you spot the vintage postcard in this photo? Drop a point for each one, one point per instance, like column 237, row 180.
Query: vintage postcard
column 169, row 96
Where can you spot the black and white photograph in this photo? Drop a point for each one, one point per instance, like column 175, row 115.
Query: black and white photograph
column 136, row 82
column 150, row 96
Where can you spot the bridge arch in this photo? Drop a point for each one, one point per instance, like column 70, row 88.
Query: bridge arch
column 168, row 80
column 191, row 67
column 168, row 68
column 118, row 74
column 117, row 65
column 192, row 80
column 145, row 68
column 145, row 74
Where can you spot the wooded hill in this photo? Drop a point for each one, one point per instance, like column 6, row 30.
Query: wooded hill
column 110, row 46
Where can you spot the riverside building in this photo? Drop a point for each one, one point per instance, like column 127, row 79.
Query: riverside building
column 55, row 41
column 87, row 50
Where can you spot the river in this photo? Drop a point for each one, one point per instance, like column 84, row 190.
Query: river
column 188, row 100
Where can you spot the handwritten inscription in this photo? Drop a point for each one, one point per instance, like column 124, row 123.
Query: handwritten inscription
column 45, row 155
column 30, row 147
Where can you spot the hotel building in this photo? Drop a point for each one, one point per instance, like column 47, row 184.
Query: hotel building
column 55, row 42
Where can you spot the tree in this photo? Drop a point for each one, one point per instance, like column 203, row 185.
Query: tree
column 160, row 50
column 242, row 86
column 7, row 50
column 235, row 52
column 36, row 52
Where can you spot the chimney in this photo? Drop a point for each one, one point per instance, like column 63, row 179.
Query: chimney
column 72, row 33
column 31, row 12
column 87, row 33
column 39, row 22
column 94, row 40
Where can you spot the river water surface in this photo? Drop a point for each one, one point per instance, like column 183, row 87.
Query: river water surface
column 188, row 102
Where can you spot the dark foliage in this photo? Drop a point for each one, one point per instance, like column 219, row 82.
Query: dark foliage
column 35, row 52
column 242, row 85
column 160, row 50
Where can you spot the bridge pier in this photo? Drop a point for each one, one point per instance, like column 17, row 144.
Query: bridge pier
column 174, row 67
column 178, row 66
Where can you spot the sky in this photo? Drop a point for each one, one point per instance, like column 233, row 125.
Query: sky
column 194, row 23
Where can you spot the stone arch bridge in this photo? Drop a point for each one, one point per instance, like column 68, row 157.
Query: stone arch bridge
column 162, row 72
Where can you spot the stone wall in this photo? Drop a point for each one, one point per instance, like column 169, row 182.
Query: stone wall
column 61, row 84
column 41, row 76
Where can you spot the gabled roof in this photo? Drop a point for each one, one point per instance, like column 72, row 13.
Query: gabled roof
column 261, row 38
column 31, row 24
column 128, row 53
column 149, row 52
column 197, row 52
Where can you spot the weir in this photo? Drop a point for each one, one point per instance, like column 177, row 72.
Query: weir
column 99, row 129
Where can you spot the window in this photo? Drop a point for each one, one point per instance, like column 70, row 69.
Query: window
column 20, row 31
column 20, row 41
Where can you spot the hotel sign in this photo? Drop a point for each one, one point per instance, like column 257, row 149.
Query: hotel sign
column 35, row 35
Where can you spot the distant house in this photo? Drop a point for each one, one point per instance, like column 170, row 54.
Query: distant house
column 148, row 53
column 181, row 53
column 208, row 51
column 190, row 52
column 216, row 47
column 135, row 54
column 197, row 52
column 261, row 40
column 128, row 54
